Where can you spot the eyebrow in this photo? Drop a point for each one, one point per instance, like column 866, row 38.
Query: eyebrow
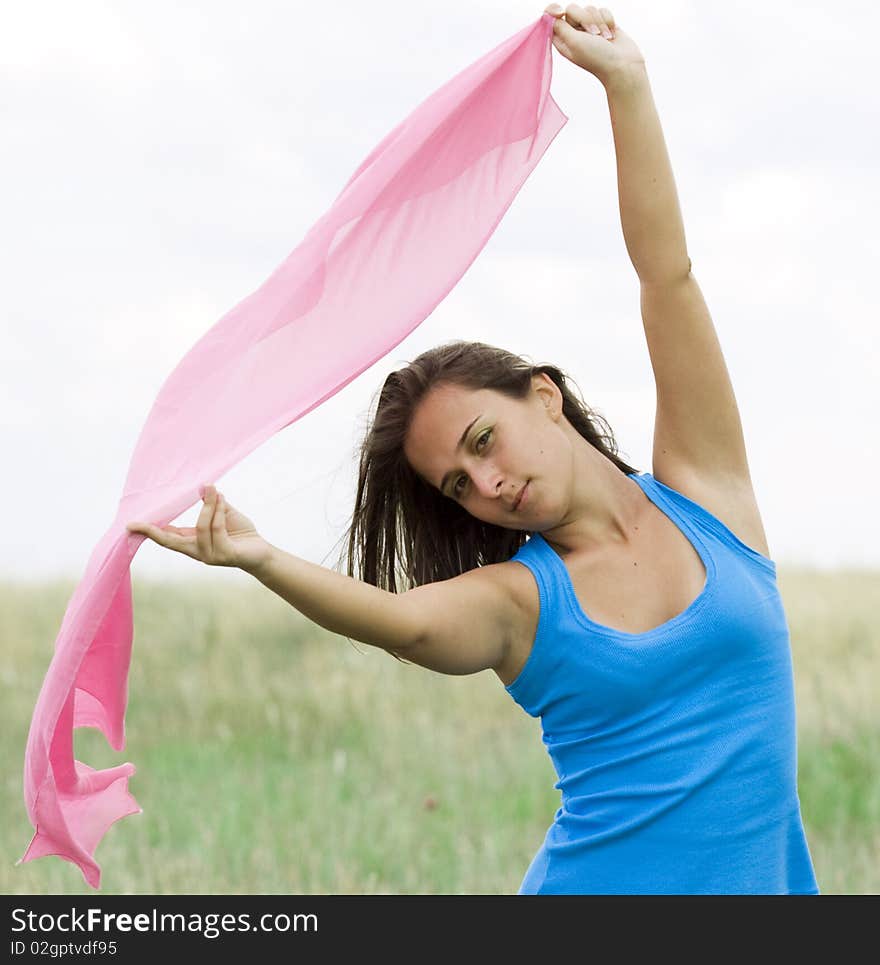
column 445, row 479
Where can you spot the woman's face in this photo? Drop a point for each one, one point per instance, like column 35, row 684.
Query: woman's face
column 480, row 448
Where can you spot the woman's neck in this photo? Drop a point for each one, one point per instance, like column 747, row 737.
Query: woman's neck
column 606, row 506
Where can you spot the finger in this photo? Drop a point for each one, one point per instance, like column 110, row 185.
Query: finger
column 575, row 16
column 592, row 20
column 138, row 528
column 141, row 528
column 155, row 533
column 606, row 22
column 203, row 525
column 561, row 29
column 218, row 526
column 607, row 16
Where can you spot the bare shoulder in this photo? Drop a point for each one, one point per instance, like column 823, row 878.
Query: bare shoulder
column 518, row 583
column 465, row 624
column 520, row 590
column 729, row 498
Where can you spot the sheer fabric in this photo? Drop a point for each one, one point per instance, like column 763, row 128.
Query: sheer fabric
column 403, row 231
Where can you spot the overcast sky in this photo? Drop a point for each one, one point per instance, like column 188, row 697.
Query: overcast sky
column 161, row 159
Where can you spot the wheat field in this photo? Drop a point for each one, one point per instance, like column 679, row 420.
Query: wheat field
column 276, row 758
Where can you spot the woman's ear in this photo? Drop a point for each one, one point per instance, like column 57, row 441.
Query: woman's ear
column 548, row 393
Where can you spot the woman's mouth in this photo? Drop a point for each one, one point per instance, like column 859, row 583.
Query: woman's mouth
column 523, row 496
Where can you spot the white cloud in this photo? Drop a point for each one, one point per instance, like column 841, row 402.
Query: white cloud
column 162, row 159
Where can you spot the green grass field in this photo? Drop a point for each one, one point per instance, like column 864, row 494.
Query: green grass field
column 276, row 758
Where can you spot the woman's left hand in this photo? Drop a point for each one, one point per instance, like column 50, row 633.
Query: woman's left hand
column 590, row 38
column 222, row 535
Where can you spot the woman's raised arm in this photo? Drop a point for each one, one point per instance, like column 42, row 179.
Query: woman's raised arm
column 652, row 224
column 650, row 215
column 698, row 431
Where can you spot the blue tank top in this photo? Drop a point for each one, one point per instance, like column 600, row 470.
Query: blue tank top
column 676, row 748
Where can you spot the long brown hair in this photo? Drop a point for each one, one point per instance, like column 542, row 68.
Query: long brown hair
column 403, row 532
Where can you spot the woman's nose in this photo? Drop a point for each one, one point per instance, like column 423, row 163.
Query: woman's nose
column 489, row 482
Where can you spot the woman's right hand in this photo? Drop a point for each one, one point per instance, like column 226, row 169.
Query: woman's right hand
column 222, row 536
column 590, row 38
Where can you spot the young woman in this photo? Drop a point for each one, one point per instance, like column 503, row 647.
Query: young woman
column 637, row 615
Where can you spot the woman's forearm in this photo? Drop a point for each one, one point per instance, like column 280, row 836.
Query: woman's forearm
column 339, row 603
column 653, row 229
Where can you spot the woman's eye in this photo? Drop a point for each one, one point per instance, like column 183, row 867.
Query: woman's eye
column 484, row 438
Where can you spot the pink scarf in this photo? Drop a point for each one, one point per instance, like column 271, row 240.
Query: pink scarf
column 404, row 230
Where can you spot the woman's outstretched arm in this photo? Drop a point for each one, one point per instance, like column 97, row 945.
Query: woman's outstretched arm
column 339, row 603
column 457, row 626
